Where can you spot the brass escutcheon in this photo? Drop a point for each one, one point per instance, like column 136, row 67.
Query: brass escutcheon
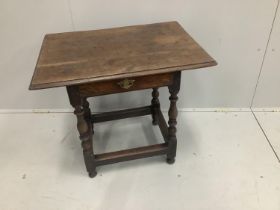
column 126, row 83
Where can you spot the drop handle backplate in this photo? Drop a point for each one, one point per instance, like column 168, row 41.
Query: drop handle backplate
column 126, row 83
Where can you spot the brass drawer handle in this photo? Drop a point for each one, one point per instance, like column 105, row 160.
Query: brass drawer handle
column 126, row 83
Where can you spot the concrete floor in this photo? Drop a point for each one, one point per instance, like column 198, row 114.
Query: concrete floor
column 225, row 161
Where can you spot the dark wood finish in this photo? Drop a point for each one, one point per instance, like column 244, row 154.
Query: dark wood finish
column 85, row 121
column 112, row 86
column 163, row 126
column 87, row 111
column 131, row 154
column 172, row 113
column 84, row 126
column 90, row 56
column 155, row 105
column 122, row 114
column 101, row 62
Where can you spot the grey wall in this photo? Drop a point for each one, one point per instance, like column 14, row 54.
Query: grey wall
column 267, row 92
column 235, row 33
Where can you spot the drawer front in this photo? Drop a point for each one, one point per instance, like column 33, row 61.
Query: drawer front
column 125, row 85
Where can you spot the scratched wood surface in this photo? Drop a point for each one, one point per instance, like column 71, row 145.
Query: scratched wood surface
column 86, row 56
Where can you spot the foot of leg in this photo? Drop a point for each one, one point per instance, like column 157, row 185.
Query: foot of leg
column 170, row 160
column 92, row 174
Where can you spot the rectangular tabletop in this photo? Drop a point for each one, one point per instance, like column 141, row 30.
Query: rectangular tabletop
column 86, row 56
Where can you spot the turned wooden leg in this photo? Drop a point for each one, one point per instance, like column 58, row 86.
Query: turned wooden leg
column 155, row 106
column 172, row 122
column 84, row 126
column 88, row 113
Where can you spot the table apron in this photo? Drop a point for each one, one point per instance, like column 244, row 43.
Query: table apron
column 133, row 83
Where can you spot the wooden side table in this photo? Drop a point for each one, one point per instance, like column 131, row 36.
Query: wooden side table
column 100, row 62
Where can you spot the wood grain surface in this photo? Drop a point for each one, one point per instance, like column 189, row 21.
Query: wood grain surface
column 87, row 56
